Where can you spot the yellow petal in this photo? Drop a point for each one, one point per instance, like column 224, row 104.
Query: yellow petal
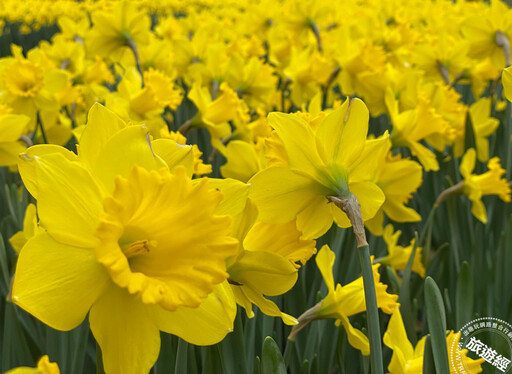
column 57, row 283
column 124, row 150
column 234, row 193
column 207, row 324
column 242, row 161
column 281, row 194
column 425, row 156
column 27, row 167
column 343, row 133
column 355, row 337
column 102, row 123
column 300, row 143
column 507, row 83
column 325, row 261
column 396, row 338
column 126, row 332
column 268, row 307
column 316, row 219
column 268, row 273
column 468, row 163
column 284, row 240
column 370, row 197
column 174, row 154
column 69, row 201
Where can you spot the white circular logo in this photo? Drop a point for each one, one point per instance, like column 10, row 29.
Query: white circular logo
column 487, row 340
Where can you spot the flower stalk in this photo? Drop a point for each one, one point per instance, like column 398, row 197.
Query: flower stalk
column 350, row 205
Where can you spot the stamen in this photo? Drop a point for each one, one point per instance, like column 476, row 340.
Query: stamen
column 138, row 247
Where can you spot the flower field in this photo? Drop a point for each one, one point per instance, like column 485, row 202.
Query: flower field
column 260, row 187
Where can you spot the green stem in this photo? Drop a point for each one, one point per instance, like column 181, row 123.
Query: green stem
column 99, row 360
column 350, row 205
column 290, row 344
column 135, row 52
column 41, row 126
column 371, row 309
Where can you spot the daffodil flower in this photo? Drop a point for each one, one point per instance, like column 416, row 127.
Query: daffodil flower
column 44, row 366
column 109, row 248
column 319, row 165
column 398, row 256
column 342, row 302
column 407, row 359
column 488, row 183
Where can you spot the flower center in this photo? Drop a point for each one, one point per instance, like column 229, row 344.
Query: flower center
column 160, row 240
column 23, row 78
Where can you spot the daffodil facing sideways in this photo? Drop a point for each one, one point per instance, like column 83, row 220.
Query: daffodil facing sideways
column 320, row 165
column 398, row 256
column 342, row 302
column 215, row 114
column 128, row 238
column 407, row 359
column 267, row 261
column 13, row 128
column 476, row 186
column 44, row 366
column 117, row 33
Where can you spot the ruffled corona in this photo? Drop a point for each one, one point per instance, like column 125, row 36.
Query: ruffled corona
column 155, row 245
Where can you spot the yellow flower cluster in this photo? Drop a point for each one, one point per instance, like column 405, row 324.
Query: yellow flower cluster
column 126, row 233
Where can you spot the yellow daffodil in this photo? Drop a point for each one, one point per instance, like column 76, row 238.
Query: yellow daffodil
column 488, row 183
column 44, row 366
column 244, row 159
column 482, row 31
column 398, row 178
column 109, row 250
column 319, row 165
column 115, row 34
column 253, row 80
column 483, row 126
column 12, row 127
column 215, row 114
column 200, row 168
column 19, row 239
column 398, row 256
column 407, row 359
column 411, row 126
column 342, row 302
column 266, row 262
column 145, row 104
column 26, row 86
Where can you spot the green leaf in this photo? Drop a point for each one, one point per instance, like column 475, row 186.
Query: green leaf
column 428, row 358
column 213, row 360
column 233, row 349
column 272, row 361
column 437, row 325
column 181, row 357
column 464, row 296
column 405, row 297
